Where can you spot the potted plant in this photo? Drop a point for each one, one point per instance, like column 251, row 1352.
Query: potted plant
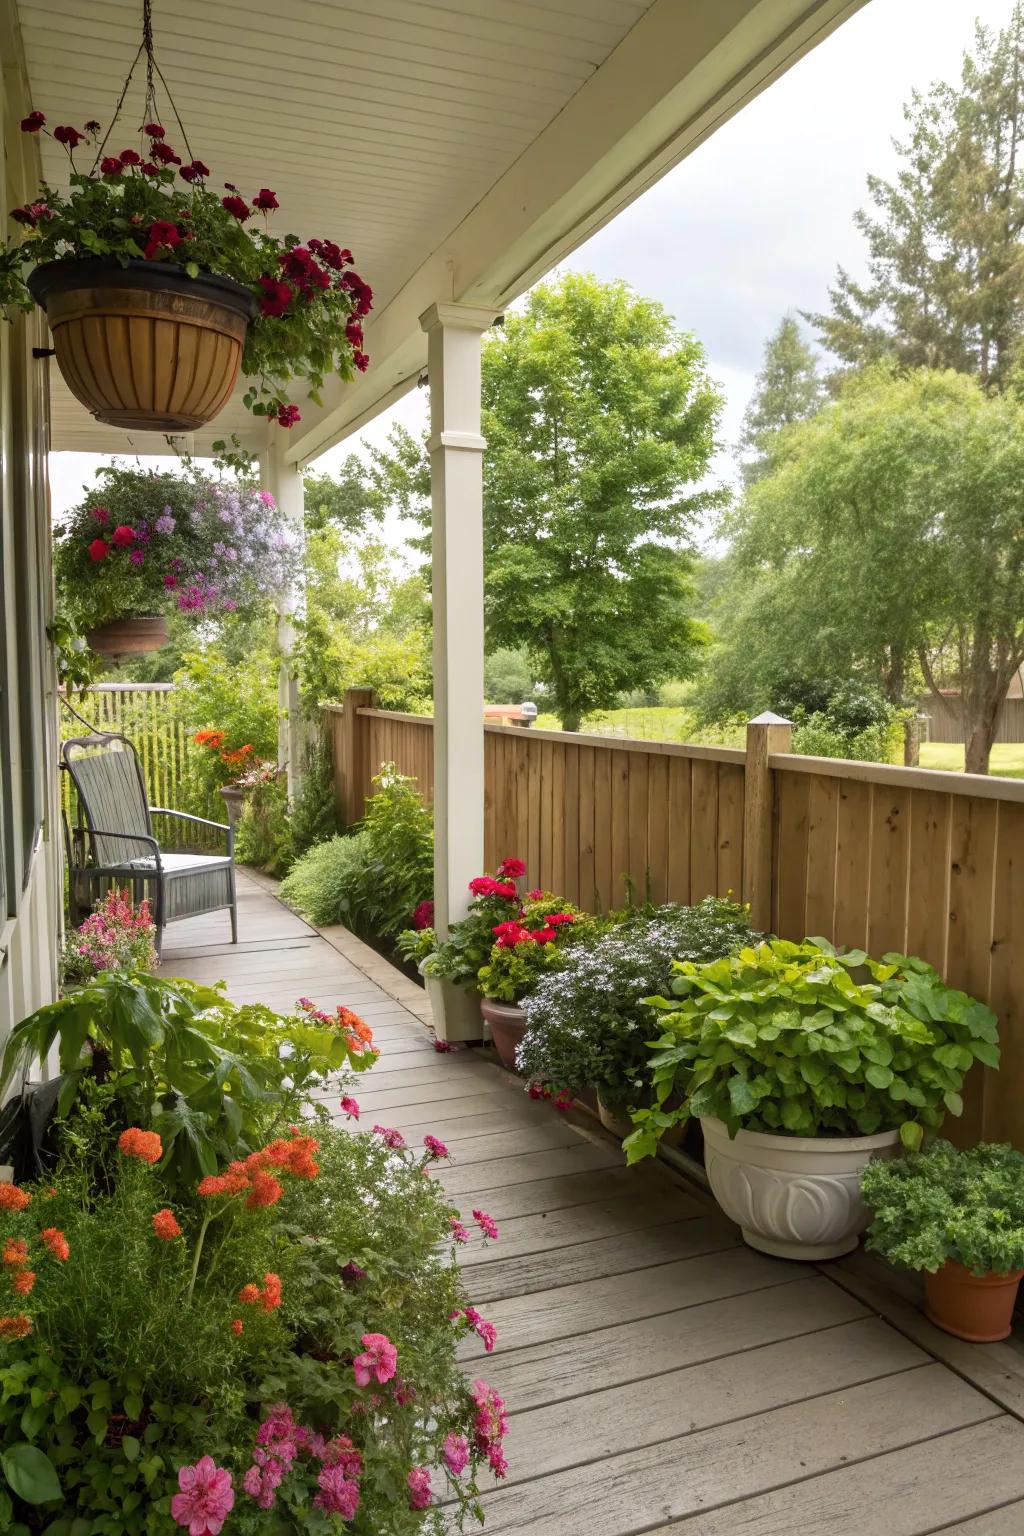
column 146, row 544
column 959, row 1217
column 803, row 1064
column 587, row 1026
column 524, row 947
column 238, row 761
column 159, row 289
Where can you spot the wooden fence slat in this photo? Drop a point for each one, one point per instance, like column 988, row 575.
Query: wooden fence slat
column 853, row 863
column 586, row 876
column 619, row 829
column 890, row 851
column 822, row 832
column 928, row 888
column 971, row 894
column 730, row 831
column 603, row 857
column 639, row 862
column 657, row 827
column 544, row 805
column 703, row 830
column 791, row 867
column 679, row 790
column 565, row 848
column 1003, row 1112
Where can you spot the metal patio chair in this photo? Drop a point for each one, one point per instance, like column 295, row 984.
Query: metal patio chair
column 115, row 842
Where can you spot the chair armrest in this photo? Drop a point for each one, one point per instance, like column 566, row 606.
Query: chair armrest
column 198, row 821
column 123, row 837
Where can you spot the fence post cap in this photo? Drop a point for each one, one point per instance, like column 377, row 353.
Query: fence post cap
column 768, row 718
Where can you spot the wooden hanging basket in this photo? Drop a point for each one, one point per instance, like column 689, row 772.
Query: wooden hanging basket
column 135, row 635
column 145, row 346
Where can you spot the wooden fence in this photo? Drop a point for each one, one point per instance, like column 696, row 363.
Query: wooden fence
column 945, row 723
column 863, row 854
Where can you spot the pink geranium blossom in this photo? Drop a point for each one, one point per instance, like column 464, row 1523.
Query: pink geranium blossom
column 350, row 1107
column 393, row 1139
column 338, row 1495
column 379, row 1361
column 459, row 1232
column 206, row 1498
column 488, row 1226
column 456, row 1453
column 418, row 1483
column 435, row 1149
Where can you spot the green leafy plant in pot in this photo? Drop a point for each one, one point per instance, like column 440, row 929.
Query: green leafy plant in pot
column 959, row 1218
column 803, row 1064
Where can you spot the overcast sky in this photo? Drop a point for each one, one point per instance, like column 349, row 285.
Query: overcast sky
column 754, row 222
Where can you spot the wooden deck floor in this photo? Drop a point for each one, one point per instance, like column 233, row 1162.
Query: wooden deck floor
column 661, row 1376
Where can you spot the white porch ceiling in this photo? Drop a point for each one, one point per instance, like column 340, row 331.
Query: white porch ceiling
column 460, row 150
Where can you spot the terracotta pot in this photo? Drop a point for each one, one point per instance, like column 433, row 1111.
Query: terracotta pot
column 974, row 1307
column 145, row 346
column 508, row 1026
column 131, row 636
column 796, row 1197
column 619, row 1123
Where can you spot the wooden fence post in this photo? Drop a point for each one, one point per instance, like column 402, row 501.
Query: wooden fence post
column 766, row 734
column 355, row 753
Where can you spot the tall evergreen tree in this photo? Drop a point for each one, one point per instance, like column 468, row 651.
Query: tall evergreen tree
column 788, row 388
column 946, row 263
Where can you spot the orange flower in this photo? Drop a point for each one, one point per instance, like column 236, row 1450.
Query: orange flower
column 22, row 1281
column 249, row 1295
column 265, row 1190
column 145, row 1145
column 231, row 1183
column 236, row 1325
column 165, row 1226
column 270, row 1296
column 15, row 1327
column 15, row 1252
column 56, row 1242
column 13, row 1199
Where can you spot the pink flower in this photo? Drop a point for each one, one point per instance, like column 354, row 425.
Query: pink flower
column 487, row 1225
column 534, row 895
column 393, row 1139
column 435, row 1149
column 337, row 1496
column 378, row 1363
column 287, row 415
column 170, row 582
column 350, row 1107
column 456, row 1453
column 459, row 1231
column 206, row 1498
column 99, row 514
column 511, row 869
column 136, row 557
column 418, row 1483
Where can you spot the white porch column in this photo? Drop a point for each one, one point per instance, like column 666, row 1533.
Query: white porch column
column 456, row 474
column 284, row 482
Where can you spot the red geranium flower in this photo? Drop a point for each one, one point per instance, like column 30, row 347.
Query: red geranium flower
column 99, row 549
column 265, row 200
column 276, row 296
column 165, row 154
column 354, row 331
column 237, row 206
column 149, row 169
column 130, row 157
column 32, row 214
column 163, row 235
column 154, row 131
column 123, row 536
column 511, row 869
column 69, row 136
column 194, row 171
column 361, row 360
column 423, row 917
column 288, row 415
column 110, row 165
column 33, row 122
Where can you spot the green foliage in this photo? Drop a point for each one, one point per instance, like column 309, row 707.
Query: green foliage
column 343, row 501
column 532, row 943
column 941, row 1204
column 509, row 676
column 788, row 388
column 945, row 285
column 788, row 1039
column 314, row 816
column 129, row 213
column 373, row 879
column 263, row 836
column 884, row 539
column 220, row 688
column 77, row 666
column 205, row 1075
column 587, row 1026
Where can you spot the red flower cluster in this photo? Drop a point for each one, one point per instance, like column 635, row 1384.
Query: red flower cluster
column 253, row 1177
column 358, row 1034
column 268, row 1296
column 13, row 1199
column 163, row 236
column 276, row 296
column 511, row 869
column 237, row 206
column 165, row 1226
column 32, row 213
column 511, row 933
column 423, row 917
column 56, row 1242
column 70, row 137
column 145, row 1145
column 33, row 122
column 265, row 200
column 194, row 172
column 486, row 885
column 286, row 415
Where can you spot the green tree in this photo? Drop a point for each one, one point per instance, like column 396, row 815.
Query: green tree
column 945, row 285
column 600, row 420
column 787, row 389
column 888, row 535
column 346, row 499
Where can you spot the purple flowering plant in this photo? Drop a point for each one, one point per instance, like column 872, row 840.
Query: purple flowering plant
column 146, row 542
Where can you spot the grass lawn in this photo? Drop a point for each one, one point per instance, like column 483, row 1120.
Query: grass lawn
column 675, row 723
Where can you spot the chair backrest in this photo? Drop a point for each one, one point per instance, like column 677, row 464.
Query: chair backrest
column 112, row 795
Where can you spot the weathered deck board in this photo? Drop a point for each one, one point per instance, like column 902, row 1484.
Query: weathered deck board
column 661, row 1377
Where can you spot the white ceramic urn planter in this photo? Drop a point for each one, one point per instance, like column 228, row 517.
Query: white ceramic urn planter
column 796, row 1197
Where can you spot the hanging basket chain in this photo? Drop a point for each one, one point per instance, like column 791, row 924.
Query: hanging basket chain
column 152, row 70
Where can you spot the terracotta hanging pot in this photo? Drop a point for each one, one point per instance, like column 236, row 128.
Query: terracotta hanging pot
column 145, row 346
column 134, row 635
column 974, row 1307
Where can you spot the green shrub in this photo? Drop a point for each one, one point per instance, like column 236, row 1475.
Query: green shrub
column 795, row 1039
column 373, row 879
column 587, row 1024
column 942, row 1204
column 263, row 836
column 314, row 816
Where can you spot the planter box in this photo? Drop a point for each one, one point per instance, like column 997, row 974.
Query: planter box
column 796, row 1197
column 455, row 1012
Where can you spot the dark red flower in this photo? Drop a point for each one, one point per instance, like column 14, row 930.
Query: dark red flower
column 332, row 255
column 123, row 536
column 236, row 206
column 265, row 200
column 354, row 331
column 33, row 122
column 92, row 127
column 69, row 136
column 99, row 549
column 194, row 171
column 362, row 293
column 288, row 415
column 361, row 360
column 163, row 235
column 423, row 917
column 32, row 213
column 164, row 154
column 111, row 166
column 154, row 131
column 276, row 296
column 130, row 157
column 149, row 169
column 544, row 935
